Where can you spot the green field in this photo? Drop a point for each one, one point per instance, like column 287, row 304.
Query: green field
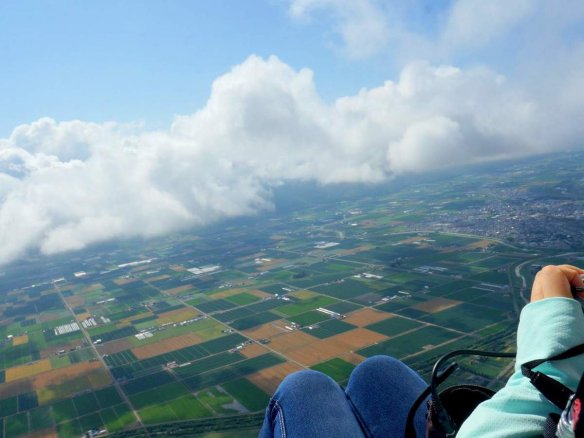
column 248, row 394
column 329, row 328
column 415, row 341
column 336, row 368
column 393, row 326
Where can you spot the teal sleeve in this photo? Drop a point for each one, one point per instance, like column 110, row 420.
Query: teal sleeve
column 546, row 328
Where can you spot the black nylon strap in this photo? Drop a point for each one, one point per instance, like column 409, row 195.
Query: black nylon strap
column 553, row 390
column 574, row 351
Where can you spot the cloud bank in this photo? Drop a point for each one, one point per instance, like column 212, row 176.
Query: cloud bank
column 67, row 185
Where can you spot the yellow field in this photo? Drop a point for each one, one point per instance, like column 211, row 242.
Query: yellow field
column 303, row 294
column 179, row 289
column 28, row 370
column 158, row 277
column 124, row 280
column 19, row 340
column 65, row 382
column 227, row 293
column 177, row 316
column 92, row 287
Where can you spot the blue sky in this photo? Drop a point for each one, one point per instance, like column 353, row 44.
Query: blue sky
column 149, row 60
column 132, row 119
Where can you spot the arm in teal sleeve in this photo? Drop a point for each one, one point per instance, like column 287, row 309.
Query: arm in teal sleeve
column 546, row 328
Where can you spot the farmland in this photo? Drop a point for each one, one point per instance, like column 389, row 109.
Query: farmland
column 193, row 332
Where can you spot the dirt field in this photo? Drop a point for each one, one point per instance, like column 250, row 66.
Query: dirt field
column 303, row 294
column 436, row 305
column 52, row 315
column 266, row 266
column 353, row 358
column 356, row 250
column 481, row 244
column 366, row 316
column 83, row 316
column 291, row 341
column 129, row 319
column 177, row 315
column 61, row 375
column 321, row 350
column 114, row 346
column 316, row 352
column 28, row 370
column 357, row 338
column 253, row 350
column 178, row 290
column 14, row 388
column 227, row 293
column 259, row 293
column 158, row 277
column 44, row 433
column 166, row 345
column 75, row 300
column 92, row 287
column 78, row 379
column 267, row 331
column 270, row 378
column 19, row 340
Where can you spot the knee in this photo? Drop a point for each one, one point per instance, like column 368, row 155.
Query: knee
column 305, row 383
column 380, row 368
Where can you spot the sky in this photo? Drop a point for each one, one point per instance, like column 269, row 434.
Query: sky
column 139, row 118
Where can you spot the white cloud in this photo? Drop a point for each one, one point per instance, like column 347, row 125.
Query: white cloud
column 361, row 24
column 473, row 23
column 71, row 184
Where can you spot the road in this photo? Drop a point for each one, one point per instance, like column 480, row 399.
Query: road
column 100, row 358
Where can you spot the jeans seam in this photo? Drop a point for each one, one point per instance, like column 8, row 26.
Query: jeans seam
column 280, row 415
column 360, row 421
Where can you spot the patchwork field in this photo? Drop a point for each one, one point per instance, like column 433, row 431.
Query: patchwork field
column 196, row 332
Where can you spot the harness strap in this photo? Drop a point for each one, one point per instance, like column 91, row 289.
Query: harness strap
column 553, row 390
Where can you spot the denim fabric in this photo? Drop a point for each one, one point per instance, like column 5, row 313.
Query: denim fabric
column 309, row 404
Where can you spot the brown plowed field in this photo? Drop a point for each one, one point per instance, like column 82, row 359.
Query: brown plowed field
column 166, row 345
column 266, row 266
column 158, row 277
column 114, row 346
column 228, row 293
column 28, row 370
column 178, row 290
column 353, row 358
column 44, row 433
column 325, row 349
column 14, row 388
column 253, row 350
column 259, row 293
column 75, row 300
column 92, row 288
column 52, row 377
column 481, row 244
column 60, row 375
column 267, row 330
column 177, row 315
column 356, row 250
column 357, row 338
column 19, row 340
column 365, row 317
column 317, row 352
column 436, row 305
column 270, row 378
column 291, row 341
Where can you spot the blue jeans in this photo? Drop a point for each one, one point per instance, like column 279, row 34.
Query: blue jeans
column 309, row 404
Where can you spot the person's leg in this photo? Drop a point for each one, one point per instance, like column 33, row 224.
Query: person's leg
column 382, row 389
column 309, row 404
